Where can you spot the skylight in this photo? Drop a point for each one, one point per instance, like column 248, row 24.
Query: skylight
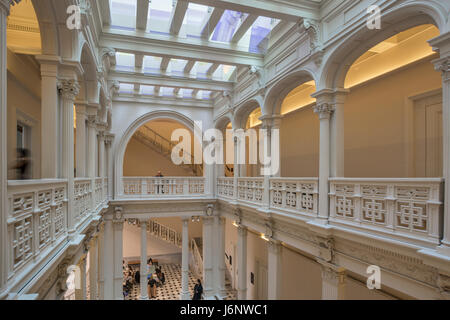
column 152, row 65
column 195, row 19
column 126, row 88
column 176, row 67
column 159, row 16
column 228, row 25
column 123, row 14
column 147, row 90
column 125, row 61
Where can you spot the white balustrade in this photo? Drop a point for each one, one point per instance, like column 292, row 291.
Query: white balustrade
column 82, row 199
column 164, row 233
column 251, row 190
column 296, row 195
column 37, row 218
column 148, row 187
column 402, row 207
column 225, row 187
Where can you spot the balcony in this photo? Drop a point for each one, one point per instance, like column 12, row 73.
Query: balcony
column 401, row 209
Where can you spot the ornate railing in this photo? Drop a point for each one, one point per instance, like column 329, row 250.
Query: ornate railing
column 251, row 190
column 36, row 219
column 165, row 233
column 83, row 198
column 402, row 207
column 225, row 187
column 162, row 187
column 297, row 195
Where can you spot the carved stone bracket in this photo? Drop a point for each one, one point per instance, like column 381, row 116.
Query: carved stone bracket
column 324, row 110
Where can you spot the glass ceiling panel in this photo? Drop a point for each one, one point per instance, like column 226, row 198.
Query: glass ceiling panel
column 125, row 61
column 187, row 93
column 167, row 92
column 200, row 69
column 123, row 14
column 159, row 16
column 224, row 73
column 152, row 64
column 147, row 90
column 227, row 26
column 204, row 95
column 176, row 67
column 258, row 38
column 126, row 88
column 195, row 18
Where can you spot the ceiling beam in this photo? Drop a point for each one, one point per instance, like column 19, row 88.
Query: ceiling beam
column 165, row 64
column 195, row 93
column 178, row 16
column 212, row 69
column 105, row 10
column 189, row 66
column 166, row 81
column 243, row 28
column 274, row 9
column 140, row 42
column 142, row 14
column 211, row 23
column 157, row 90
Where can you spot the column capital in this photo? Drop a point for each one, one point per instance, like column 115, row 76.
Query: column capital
column 274, row 246
column 92, row 121
column 332, row 273
column 324, row 110
column 242, row 230
column 109, row 138
column 443, row 65
column 69, row 88
column 6, row 4
column 118, row 215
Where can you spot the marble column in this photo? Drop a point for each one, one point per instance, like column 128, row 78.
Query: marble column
column 242, row 262
column 108, row 260
column 92, row 141
column 109, row 164
column 333, row 282
column 4, row 257
column 81, row 145
column 324, row 110
column 274, row 271
column 208, row 276
column 69, row 89
column 118, row 257
column 236, row 167
column 101, row 154
column 80, row 293
column 337, row 122
column 441, row 44
column 143, row 269
column 93, row 269
column 101, row 263
column 185, row 294
column 50, row 167
column 220, row 256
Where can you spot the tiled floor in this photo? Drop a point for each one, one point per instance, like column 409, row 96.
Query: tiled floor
column 172, row 288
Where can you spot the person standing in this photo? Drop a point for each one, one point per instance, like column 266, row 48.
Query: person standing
column 198, row 291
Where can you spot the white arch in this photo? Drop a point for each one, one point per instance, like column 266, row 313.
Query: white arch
column 119, row 153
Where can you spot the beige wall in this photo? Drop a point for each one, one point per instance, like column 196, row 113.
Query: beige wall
column 141, row 160
column 376, row 124
column 24, row 104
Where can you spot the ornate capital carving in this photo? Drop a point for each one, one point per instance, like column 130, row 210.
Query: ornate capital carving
column 242, row 231
column 443, row 65
column 312, row 29
column 324, row 110
column 333, row 274
column 118, row 215
column 69, row 89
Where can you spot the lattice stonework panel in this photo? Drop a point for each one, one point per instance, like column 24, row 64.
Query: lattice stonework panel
column 345, row 205
column 22, row 204
column 22, row 241
column 374, row 211
column 411, row 208
column 59, row 220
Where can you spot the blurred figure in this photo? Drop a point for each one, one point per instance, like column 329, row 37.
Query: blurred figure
column 22, row 164
column 159, row 174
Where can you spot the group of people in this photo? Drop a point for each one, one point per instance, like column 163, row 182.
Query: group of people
column 155, row 279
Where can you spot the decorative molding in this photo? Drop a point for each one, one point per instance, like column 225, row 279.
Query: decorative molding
column 69, row 89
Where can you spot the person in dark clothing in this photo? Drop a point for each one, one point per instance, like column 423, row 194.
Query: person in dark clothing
column 198, row 291
column 137, row 276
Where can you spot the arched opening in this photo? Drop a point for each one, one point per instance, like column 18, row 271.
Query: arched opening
column 24, row 93
column 393, row 111
column 149, row 151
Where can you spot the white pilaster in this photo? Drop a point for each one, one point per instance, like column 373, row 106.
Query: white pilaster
column 101, row 154
column 80, row 293
column 101, row 264
column 442, row 45
column 242, row 262
column 337, row 124
column 93, row 269
column 220, row 257
column 4, row 12
column 143, row 269
column 108, row 244
column 274, row 270
column 69, row 89
column 333, row 282
column 185, row 295
column 50, row 167
column 324, row 110
column 81, row 145
column 118, row 255
column 208, row 276
column 92, row 141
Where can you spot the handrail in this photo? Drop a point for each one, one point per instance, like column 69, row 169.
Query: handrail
column 165, row 233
